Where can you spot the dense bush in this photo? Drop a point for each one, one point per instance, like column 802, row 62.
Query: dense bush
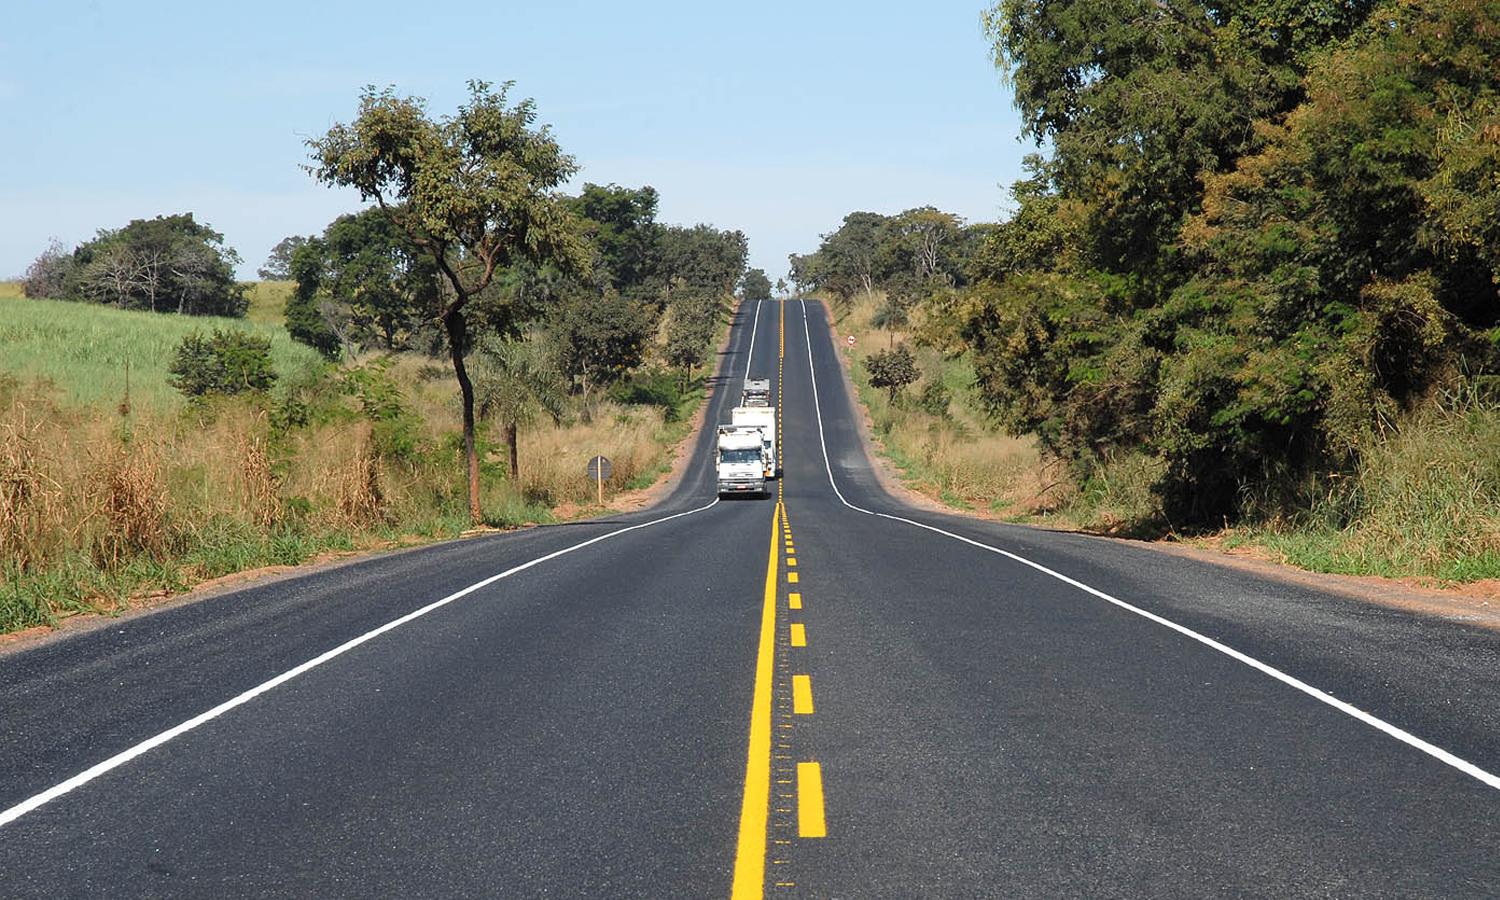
column 1245, row 287
column 226, row 362
column 165, row 264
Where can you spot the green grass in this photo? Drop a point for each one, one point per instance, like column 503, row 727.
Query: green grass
column 268, row 302
column 85, row 350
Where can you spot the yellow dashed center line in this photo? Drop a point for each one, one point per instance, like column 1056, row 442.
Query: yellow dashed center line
column 802, row 703
column 794, row 600
column 810, row 820
column 799, row 635
column 791, row 577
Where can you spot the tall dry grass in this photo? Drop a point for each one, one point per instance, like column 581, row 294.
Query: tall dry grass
column 954, row 455
column 1424, row 501
column 102, row 499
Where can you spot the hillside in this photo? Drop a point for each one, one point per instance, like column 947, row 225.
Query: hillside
column 86, row 350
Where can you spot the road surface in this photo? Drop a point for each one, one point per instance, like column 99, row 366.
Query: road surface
column 822, row 694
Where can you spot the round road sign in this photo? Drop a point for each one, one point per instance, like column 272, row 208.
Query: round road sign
column 851, row 340
column 600, row 469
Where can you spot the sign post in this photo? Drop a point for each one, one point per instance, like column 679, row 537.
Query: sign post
column 599, row 469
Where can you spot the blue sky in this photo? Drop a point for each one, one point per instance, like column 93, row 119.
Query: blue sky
column 774, row 117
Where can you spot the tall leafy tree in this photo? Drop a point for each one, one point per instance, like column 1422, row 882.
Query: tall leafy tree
column 378, row 272
column 599, row 335
column 625, row 235
column 477, row 191
column 305, row 319
column 755, row 285
column 278, row 265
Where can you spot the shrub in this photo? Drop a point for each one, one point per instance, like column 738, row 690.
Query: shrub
column 892, row 369
column 48, row 274
column 395, row 428
column 935, row 398
column 227, row 362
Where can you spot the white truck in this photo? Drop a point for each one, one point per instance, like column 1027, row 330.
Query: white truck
column 740, row 461
column 757, row 392
column 763, row 419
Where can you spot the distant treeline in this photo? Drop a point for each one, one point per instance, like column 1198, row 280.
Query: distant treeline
column 365, row 284
column 1262, row 236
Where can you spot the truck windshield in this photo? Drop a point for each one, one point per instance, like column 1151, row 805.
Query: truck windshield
column 739, row 456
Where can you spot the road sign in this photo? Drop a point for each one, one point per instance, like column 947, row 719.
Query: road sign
column 850, row 340
column 599, row 471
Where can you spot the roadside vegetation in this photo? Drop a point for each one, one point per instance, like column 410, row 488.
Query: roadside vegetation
column 397, row 377
column 102, row 499
column 1267, row 308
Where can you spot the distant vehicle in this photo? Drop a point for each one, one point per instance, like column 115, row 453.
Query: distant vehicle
column 757, row 392
column 763, row 419
column 740, row 461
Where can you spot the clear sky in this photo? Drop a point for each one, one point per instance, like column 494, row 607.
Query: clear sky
column 776, row 118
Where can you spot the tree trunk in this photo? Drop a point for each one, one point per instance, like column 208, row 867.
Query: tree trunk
column 512, row 441
column 457, row 330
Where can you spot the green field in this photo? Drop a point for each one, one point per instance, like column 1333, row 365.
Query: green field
column 86, row 350
column 268, row 301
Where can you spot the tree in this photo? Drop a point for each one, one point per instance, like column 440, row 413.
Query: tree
column 378, row 274
column 695, row 317
column 516, row 381
column 755, row 285
column 159, row 264
column 891, row 317
column 892, row 369
column 626, row 238
column 703, row 259
column 477, row 191
column 305, row 320
column 278, row 265
column 846, row 261
column 47, row 276
column 781, row 287
column 923, row 243
column 599, row 335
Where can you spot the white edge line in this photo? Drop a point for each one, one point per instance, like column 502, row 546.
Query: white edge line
column 125, row 756
column 750, row 355
column 1400, row 734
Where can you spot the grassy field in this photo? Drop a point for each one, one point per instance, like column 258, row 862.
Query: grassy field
column 87, row 351
column 268, row 302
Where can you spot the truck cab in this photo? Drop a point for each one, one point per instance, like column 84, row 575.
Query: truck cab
column 757, row 392
column 740, row 461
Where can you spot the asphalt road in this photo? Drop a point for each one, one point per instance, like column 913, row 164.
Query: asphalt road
column 832, row 695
